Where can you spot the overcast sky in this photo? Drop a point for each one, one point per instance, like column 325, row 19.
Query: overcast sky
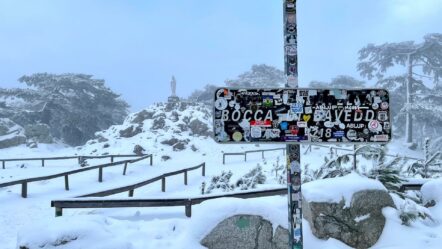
column 136, row 46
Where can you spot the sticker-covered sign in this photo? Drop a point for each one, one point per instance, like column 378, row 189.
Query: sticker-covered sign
column 301, row 115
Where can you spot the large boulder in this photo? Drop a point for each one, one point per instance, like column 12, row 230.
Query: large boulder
column 199, row 128
column 11, row 134
column 356, row 219
column 246, row 232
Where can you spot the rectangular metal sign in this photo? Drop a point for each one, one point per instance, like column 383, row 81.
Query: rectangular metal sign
column 301, row 115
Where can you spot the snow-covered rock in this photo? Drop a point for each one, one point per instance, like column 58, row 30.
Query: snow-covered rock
column 347, row 208
column 11, row 134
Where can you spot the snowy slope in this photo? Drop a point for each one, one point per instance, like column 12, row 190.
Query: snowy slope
column 178, row 138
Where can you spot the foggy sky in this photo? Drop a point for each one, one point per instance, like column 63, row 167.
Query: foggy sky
column 136, row 46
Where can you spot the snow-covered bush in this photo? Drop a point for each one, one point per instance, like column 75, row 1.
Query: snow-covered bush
column 221, row 182
column 251, row 179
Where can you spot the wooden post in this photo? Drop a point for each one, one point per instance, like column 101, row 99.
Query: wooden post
column 163, row 184
column 3, row 164
column 224, row 159
column 204, row 169
column 112, row 159
column 189, row 208
column 131, row 193
column 24, row 189
column 42, row 162
column 58, row 211
column 151, row 160
column 100, row 174
column 185, row 177
column 66, row 182
column 245, row 156
column 125, row 168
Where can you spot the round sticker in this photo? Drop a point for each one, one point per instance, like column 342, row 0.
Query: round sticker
column 237, row 136
column 374, row 126
column 352, row 134
column 341, row 126
column 384, row 105
column 232, row 103
column 221, row 104
column 375, row 106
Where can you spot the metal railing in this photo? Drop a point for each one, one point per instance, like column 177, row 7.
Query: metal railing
column 24, row 182
column 249, row 152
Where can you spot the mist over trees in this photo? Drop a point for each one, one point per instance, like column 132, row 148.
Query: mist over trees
column 416, row 94
column 71, row 106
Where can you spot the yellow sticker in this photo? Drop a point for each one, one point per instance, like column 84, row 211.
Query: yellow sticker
column 306, row 118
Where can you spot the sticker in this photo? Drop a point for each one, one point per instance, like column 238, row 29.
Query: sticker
column 384, row 105
column 341, row 126
column 237, row 136
column 291, row 28
column 271, row 133
column 352, row 135
column 387, row 125
column 328, row 124
column 302, row 124
column 291, row 18
column 297, row 108
column 221, row 104
column 308, row 109
column 374, row 126
column 319, row 115
column 380, row 138
column 255, row 132
column 294, row 129
column 284, row 125
column 295, row 167
column 338, row 134
column 291, row 39
column 377, row 100
column 382, row 116
column 375, row 106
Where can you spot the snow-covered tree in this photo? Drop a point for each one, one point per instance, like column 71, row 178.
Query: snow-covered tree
column 340, row 81
column 74, row 106
column 251, row 179
column 206, row 95
column 259, row 76
column 420, row 60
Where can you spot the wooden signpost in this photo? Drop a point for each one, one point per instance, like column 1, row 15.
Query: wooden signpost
column 293, row 115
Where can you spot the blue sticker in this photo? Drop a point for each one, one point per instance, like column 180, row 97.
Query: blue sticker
column 284, row 126
column 338, row 134
column 297, row 108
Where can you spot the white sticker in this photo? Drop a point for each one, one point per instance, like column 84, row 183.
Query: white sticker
column 374, row 126
column 384, row 105
column 255, row 132
column 382, row 116
column 308, row 110
column 328, row 124
column 221, row 104
column 342, row 126
column 302, row 124
column 352, row 135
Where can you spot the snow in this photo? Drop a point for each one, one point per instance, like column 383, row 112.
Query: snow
column 339, row 188
column 432, row 190
column 31, row 221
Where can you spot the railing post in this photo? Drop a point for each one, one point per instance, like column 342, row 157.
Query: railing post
column 151, row 160
column 245, row 156
column 79, row 159
column 112, row 159
column 163, row 184
column 189, row 208
column 131, row 193
column 42, row 162
column 224, row 158
column 262, row 152
column 204, row 169
column 125, row 168
column 58, row 211
column 185, row 177
column 24, row 189
column 3, row 164
column 100, row 174
column 66, row 182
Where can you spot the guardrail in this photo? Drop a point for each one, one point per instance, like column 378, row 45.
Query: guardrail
column 79, row 158
column 186, row 202
column 24, row 182
column 131, row 188
column 248, row 152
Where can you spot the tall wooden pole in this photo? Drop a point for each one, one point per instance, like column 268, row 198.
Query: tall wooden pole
column 293, row 150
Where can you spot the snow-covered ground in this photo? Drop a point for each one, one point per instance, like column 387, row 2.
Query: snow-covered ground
column 31, row 220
